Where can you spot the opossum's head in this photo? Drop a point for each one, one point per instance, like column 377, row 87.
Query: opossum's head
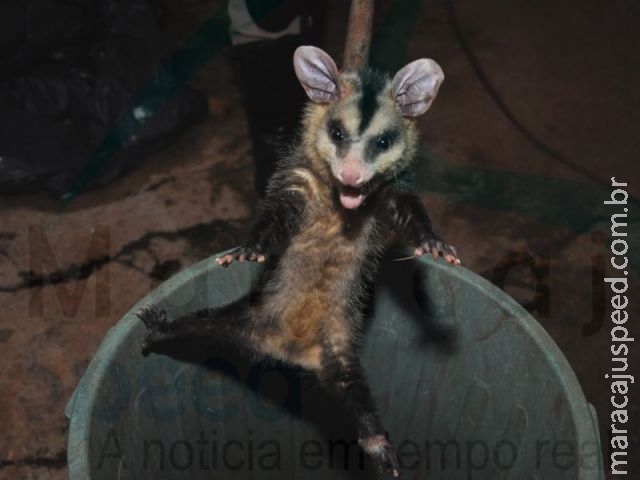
column 361, row 123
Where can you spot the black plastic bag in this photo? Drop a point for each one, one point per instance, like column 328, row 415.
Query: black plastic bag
column 69, row 70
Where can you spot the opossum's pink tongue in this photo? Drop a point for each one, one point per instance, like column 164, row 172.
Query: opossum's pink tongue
column 351, row 198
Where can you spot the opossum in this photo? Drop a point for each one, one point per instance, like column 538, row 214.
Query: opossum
column 322, row 229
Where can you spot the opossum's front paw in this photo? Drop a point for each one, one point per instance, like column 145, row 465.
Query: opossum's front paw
column 438, row 248
column 251, row 253
column 382, row 454
column 156, row 322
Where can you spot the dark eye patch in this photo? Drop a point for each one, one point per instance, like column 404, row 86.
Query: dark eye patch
column 336, row 130
column 384, row 141
column 381, row 143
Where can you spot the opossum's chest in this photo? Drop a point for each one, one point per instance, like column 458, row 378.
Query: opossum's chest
column 327, row 252
column 320, row 272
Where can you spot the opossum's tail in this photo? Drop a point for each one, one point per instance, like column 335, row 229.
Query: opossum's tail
column 216, row 324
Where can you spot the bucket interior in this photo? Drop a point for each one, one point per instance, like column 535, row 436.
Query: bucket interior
column 467, row 384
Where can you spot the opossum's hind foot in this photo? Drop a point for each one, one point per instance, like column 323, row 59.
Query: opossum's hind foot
column 252, row 254
column 156, row 322
column 438, row 248
column 382, row 454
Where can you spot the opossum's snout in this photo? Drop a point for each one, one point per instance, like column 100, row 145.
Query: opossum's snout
column 352, row 175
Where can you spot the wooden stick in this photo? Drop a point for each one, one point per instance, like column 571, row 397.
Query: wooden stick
column 356, row 50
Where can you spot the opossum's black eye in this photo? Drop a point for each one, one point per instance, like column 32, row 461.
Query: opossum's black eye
column 336, row 131
column 383, row 143
column 386, row 139
column 337, row 134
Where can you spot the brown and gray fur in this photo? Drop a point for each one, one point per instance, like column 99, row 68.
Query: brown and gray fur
column 321, row 230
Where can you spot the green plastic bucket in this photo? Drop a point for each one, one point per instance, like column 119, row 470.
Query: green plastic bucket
column 467, row 383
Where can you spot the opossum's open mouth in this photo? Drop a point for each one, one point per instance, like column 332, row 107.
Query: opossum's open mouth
column 351, row 197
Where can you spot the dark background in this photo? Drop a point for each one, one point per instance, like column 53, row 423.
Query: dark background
column 538, row 111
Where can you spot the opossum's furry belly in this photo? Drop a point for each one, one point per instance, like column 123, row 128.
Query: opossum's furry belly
column 309, row 298
column 303, row 324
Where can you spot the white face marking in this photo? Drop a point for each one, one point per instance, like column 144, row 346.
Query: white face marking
column 350, row 116
column 379, row 123
column 354, row 157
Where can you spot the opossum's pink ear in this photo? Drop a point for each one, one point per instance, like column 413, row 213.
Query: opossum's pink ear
column 415, row 86
column 317, row 73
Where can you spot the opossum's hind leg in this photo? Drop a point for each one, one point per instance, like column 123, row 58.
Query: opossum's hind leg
column 345, row 378
column 211, row 325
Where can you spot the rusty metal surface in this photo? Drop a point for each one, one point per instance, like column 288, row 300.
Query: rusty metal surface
column 356, row 50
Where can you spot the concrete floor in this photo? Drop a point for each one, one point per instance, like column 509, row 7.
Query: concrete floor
column 499, row 188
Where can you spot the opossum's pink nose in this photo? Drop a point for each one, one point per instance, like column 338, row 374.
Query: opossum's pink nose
column 350, row 177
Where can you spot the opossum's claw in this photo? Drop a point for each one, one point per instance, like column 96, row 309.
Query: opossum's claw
column 250, row 253
column 225, row 260
column 438, row 248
